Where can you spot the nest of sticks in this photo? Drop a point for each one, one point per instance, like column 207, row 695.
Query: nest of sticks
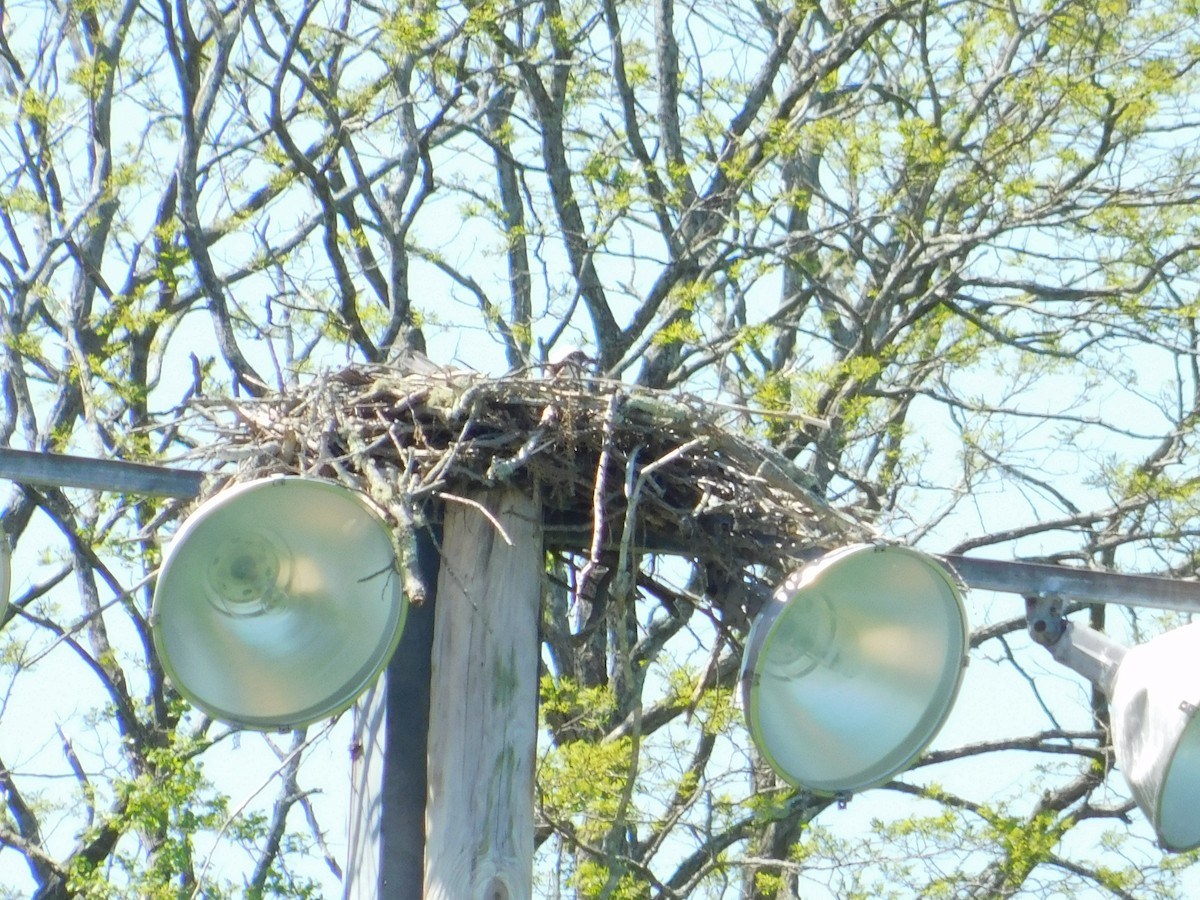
column 619, row 470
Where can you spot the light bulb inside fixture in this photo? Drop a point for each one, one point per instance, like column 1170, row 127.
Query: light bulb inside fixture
column 248, row 573
column 803, row 640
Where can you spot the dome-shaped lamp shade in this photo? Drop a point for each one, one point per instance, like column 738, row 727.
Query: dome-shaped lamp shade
column 852, row 667
column 278, row 602
column 1156, row 733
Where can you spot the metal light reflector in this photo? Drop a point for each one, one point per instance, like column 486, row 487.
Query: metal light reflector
column 853, row 666
column 278, row 602
column 1156, row 733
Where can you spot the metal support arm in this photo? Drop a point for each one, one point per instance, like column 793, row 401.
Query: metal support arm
column 1084, row 650
column 60, row 470
column 1069, row 583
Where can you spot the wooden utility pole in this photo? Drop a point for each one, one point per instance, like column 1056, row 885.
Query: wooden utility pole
column 475, row 816
column 483, row 701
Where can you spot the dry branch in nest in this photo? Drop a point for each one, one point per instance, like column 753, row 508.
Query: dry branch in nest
column 621, row 471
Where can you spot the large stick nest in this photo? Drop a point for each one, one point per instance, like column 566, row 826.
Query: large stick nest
column 591, row 449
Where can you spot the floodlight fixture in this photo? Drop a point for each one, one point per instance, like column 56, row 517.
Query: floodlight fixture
column 853, row 665
column 278, row 602
column 1153, row 692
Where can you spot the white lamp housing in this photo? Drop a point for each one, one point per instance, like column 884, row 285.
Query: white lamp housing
column 1154, row 692
column 278, row 602
column 852, row 667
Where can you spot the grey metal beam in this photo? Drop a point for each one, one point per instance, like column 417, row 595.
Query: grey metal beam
column 1033, row 579
column 60, row 470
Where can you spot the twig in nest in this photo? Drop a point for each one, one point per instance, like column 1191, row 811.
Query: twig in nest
column 448, row 458
column 590, row 568
column 633, row 494
column 413, row 400
column 411, row 579
column 503, row 469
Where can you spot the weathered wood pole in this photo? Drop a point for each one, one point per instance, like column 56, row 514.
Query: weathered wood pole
column 442, row 779
column 483, row 701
